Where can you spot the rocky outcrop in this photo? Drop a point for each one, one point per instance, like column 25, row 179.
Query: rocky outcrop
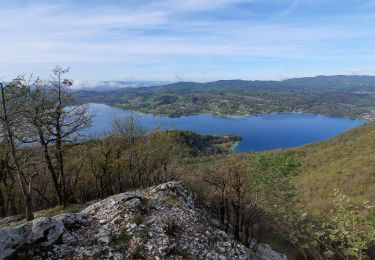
column 41, row 233
column 155, row 223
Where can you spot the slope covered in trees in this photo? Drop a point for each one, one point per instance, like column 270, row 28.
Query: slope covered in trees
column 346, row 162
column 350, row 96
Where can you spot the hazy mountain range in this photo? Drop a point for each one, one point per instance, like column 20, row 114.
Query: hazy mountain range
column 100, row 86
column 336, row 82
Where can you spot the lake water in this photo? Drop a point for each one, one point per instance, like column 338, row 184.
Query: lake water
column 258, row 133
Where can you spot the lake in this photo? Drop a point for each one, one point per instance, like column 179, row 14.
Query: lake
column 262, row 132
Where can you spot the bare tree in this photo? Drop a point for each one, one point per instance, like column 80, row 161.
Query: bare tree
column 129, row 131
column 12, row 122
column 240, row 194
column 57, row 123
column 128, row 127
column 100, row 156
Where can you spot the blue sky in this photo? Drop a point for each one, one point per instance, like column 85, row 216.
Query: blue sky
column 188, row 40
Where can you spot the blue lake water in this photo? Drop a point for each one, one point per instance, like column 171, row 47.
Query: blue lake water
column 263, row 132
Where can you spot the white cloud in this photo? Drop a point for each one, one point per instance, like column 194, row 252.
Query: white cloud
column 109, row 85
column 140, row 35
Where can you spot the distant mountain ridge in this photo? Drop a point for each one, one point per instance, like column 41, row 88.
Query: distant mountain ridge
column 343, row 96
column 335, row 82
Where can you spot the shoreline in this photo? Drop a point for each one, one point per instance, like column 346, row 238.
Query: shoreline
column 234, row 146
column 366, row 117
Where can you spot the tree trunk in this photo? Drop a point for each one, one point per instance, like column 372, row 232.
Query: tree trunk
column 29, row 208
column 101, row 187
column 222, row 211
column 227, row 215
column 50, row 167
column 247, row 236
column 20, row 175
column 3, row 211
column 236, row 226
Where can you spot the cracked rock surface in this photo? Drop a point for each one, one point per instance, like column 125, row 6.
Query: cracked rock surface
column 161, row 222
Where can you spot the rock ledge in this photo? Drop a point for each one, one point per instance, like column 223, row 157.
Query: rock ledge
column 155, row 223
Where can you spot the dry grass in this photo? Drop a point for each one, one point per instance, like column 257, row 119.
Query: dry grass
column 73, row 208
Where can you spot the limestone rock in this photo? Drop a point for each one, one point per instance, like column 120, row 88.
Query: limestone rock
column 35, row 235
column 155, row 223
